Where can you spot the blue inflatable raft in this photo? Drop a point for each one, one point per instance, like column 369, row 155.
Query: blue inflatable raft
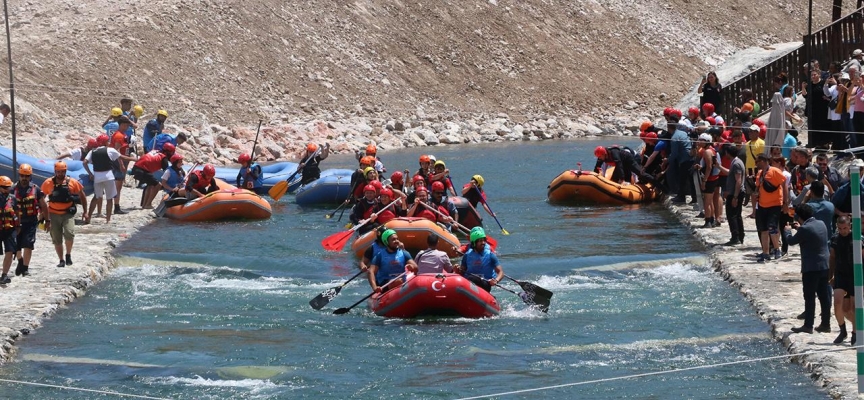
column 43, row 169
column 273, row 173
column 333, row 187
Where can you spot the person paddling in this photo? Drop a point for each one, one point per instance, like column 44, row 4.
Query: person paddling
column 201, row 182
column 389, row 264
column 250, row 176
column 309, row 167
column 479, row 264
column 476, row 196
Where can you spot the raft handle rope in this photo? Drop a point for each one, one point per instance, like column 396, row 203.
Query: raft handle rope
column 642, row 375
column 137, row 396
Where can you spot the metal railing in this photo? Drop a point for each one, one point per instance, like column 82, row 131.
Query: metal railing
column 834, row 42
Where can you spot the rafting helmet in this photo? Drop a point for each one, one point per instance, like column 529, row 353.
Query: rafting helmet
column 708, row 108
column 311, row 147
column 367, row 170
column 60, row 166
column 747, row 107
column 651, row 138
column 441, row 163
column 92, row 143
column 25, row 169
column 371, row 150
column 175, row 158
column 168, row 148
column 118, row 137
column 244, row 158
column 368, row 161
column 385, row 237
column 369, row 188
column 667, row 111
column 479, row 179
column 162, row 113
column 425, row 158
column 5, row 182
column 675, row 113
column 102, row 140
column 397, row 177
column 209, row 170
column 600, row 152
column 693, row 111
column 645, row 125
column 138, row 111
column 477, row 233
column 116, row 112
column 386, row 192
column 437, row 186
column 378, row 186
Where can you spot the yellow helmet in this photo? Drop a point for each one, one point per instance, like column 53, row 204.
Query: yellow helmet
column 5, row 181
column 116, row 112
column 25, row 169
column 162, row 113
column 479, row 180
column 138, row 111
column 441, row 163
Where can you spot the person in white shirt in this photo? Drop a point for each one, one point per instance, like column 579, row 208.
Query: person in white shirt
column 432, row 260
column 102, row 176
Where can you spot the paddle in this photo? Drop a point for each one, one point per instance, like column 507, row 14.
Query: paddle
column 538, row 294
column 328, row 216
column 542, row 303
column 280, row 188
column 255, row 144
column 338, row 240
column 492, row 242
column 172, row 202
column 322, row 299
column 483, row 200
column 340, row 311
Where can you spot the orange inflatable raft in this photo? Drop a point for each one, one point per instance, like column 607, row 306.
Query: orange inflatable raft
column 447, row 295
column 229, row 202
column 413, row 233
column 574, row 186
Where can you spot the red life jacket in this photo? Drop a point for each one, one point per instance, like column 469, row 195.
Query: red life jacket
column 27, row 202
column 202, row 183
column 426, row 214
column 150, row 162
column 8, row 215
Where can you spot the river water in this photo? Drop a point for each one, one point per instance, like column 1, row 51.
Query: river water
column 220, row 310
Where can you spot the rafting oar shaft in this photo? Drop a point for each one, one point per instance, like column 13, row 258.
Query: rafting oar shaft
column 492, row 242
column 337, row 241
column 322, row 299
column 255, row 144
column 280, row 188
column 344, row 310
column 483, row 200
column 330, row 215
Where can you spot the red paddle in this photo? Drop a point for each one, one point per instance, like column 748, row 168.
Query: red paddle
column 337, row 241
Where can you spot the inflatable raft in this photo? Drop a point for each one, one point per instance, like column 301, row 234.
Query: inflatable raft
column 413, row 233
column 229, row 202
column 589, row 187
column 273, row 173
column 333, row 187
column 468, row 215
column 449, row 295
column 43, row 169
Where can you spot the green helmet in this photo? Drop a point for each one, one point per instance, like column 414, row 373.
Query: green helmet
column 385, row 237
column 477, row 233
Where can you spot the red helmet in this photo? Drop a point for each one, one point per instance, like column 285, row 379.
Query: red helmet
column 371, row 150
column 377, row 184
column 651, row 138
column 367, row 160
column 369, row 188
column 421, row 189
column 91, row 143
column 311, row 147
column 600, row 152
column 711, row 120
column 437, row 186
column 209, row 170
column 418, row 179
column 645, row 125
column 169, row 148
column 397, row 177
column 759, row 122
column 675, row 112
column 708, row 108
column 244, row 158
column 175, row 158
column 102, row 140
column 667, row 111
column 642, row 135
column 693, row 110
column 386, row 192
column 763, row 130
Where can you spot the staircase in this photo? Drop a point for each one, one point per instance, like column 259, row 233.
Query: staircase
column 834, row 42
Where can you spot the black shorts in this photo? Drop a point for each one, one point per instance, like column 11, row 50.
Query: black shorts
column 144, row 176
column 27, row 237
column 721, row 182
column 710, row 186
column 845, row 282
column 766, row 218
column 7, row 238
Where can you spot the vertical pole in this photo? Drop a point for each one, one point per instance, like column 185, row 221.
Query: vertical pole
column 11, row 96
column 810, row 56
column 855, row 176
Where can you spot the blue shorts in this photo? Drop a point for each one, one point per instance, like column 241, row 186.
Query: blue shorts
column 7, row 238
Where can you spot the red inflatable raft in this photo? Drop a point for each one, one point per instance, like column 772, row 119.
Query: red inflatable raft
column 448, row 295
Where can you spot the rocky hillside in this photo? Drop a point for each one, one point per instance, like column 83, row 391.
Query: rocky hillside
column 221, row 64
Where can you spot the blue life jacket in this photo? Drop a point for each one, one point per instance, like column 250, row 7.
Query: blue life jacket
column 161, row 139
column 247, row 177
column 174, row 179
column 111, row 127
column 390, row 265
column 152, row 129
column 482, row 264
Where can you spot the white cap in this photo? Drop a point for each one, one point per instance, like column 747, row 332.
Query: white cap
column 845, row 76
column 858, row 163
column 705, row 138
column 755, row 128
column 857, row 52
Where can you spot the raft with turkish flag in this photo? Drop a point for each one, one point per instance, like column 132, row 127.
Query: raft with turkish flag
column 445, row 295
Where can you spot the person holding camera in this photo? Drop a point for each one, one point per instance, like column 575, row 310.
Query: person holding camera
column 63, row 193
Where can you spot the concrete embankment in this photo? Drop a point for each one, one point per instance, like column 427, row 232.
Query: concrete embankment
column 27, row 301
column 774, row 289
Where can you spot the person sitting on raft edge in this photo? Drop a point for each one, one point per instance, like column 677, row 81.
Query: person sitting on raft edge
column 389, row 264
column 479, row 264
column 201, row 182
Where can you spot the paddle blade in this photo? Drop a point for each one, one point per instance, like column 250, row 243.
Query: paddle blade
column 349, row 225
column 504, row 231
column 340, row 311
column 336, row 241
column 322, row 299
column 160, row 209
column 278, row 190
column 537, row 291
column 532, row 299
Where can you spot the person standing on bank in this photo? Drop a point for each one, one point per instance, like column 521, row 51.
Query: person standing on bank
column 9, row 226
column 32, row 209
column 63, row 192
column 811, row 236
column 735, row 196
column 841, row 270
column 711, row 91
column 102, row 175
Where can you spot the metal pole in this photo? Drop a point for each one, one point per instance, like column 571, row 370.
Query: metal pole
column 855, row 176
column 810, row 94
column 11, row 96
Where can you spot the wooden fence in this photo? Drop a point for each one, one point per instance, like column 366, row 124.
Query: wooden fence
column 834, row 42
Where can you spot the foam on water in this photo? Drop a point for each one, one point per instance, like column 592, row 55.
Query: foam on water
column 255, row 386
